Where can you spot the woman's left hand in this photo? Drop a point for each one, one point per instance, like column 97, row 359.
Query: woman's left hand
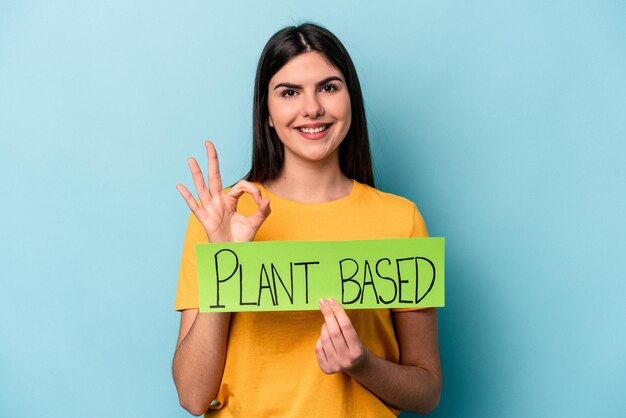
column 338, row 348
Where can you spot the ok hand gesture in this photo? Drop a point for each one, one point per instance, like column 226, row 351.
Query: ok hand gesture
column 217, row 210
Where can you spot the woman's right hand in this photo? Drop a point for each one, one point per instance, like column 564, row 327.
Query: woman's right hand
column 218, row 210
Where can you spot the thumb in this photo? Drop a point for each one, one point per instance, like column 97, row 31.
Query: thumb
column 261, row 214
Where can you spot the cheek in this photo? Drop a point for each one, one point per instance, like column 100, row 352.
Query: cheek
column 279, row 116
column 343, row 110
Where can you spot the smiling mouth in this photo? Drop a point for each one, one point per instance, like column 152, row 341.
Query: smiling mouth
column 314, row 130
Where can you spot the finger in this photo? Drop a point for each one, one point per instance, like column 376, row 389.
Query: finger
column 257, row 219
column 186, row 194
column 198, row 181
column 244, row 186
column 321, row 356
column 327, row 344
column 347, row 329
column 334, row 331
column 215, row 179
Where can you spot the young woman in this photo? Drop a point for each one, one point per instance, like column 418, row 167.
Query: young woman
column 311, row 163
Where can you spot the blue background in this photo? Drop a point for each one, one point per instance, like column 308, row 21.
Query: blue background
column 504, row 121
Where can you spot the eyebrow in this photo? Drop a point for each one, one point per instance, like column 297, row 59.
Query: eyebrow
column 319, row 84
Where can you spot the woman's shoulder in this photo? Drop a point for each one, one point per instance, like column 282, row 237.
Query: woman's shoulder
column 396, row 213
column 375, row 195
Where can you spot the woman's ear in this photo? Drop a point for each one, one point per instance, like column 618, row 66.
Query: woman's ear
column 270, row 121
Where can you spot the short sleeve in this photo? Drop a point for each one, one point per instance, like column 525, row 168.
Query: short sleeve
column 187, row 292
column 419, row 227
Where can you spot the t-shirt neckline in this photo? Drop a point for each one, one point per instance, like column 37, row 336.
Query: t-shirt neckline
column 357, row 189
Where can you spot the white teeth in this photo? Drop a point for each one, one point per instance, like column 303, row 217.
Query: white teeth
column 313, row 130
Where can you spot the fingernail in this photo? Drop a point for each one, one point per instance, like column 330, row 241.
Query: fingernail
column 332, row 302
column 322, row 303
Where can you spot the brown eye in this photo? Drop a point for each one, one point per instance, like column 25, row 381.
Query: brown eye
column 288, row 93
column 329, row 88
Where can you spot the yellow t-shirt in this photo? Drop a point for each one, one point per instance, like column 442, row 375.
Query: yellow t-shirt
column 271, row 369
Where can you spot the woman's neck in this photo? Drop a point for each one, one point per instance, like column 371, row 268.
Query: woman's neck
column 311, row 183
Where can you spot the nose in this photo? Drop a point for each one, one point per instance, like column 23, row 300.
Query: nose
column 311, row 106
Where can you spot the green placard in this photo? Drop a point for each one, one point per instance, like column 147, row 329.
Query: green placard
column 294, row 275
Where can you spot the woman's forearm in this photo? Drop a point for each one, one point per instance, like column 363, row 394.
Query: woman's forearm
column 409, row 388
column 199, row 361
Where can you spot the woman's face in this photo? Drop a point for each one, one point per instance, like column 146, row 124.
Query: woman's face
column 309, row 107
